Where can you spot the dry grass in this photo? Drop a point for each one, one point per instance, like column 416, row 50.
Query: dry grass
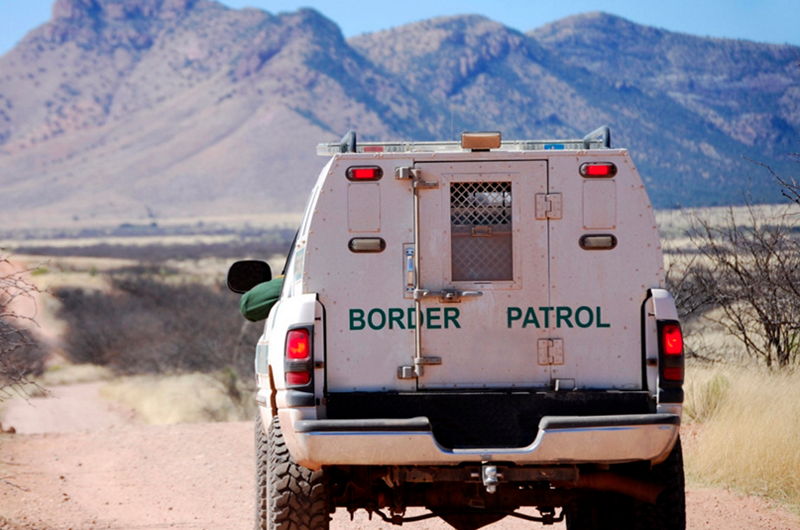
column 749, row 437
column 70, row 374
column 188, row 398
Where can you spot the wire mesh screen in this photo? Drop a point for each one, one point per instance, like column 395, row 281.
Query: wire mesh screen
column 480, row 224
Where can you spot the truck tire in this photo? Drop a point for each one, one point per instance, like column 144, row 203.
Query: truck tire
column 288, row 495
column 617, row 512
column 669, row 513
column 261, row 475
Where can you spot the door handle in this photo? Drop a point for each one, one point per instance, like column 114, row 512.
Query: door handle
column 446, row 295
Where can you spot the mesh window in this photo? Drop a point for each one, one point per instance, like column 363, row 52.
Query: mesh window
column 480, row 224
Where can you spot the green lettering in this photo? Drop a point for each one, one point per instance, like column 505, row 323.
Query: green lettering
column 546, row 311
column 589, row 321
column 599, row 318
column 451, row 314
column 412, row 318
column 514, row 313
column 357, row 319
column 382, row 319
column 563, row 313
column 434, row 317
column 530, row 318
column 396, row 317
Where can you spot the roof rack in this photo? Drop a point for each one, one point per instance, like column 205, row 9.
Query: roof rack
column 597, row 139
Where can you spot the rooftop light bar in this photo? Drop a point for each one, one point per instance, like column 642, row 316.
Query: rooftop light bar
column 455, row 147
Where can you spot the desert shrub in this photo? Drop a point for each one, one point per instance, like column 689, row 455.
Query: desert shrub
column 20, row 356
column 143, row 325
column 742, row 275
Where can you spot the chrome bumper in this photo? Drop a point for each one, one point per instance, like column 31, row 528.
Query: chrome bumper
column 561, row 440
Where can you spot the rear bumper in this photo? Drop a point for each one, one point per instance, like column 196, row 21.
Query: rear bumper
column 560, row 440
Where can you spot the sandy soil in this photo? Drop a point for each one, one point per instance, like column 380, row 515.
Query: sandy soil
column 80, row 463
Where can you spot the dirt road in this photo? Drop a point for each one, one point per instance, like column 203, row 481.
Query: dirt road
column 65, row 470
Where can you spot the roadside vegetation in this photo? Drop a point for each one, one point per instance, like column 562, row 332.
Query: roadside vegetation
column 154, row 320
column 747, row 422
column 735, row 274
column 20, row 356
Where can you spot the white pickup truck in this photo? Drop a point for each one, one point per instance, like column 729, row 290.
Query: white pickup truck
column 472, row 328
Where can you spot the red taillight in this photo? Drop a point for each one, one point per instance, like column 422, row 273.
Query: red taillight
column 598, row 170
column 364, row 173
column 297, row 364
column 672, row 339
column 672, row 362
column 297, row 344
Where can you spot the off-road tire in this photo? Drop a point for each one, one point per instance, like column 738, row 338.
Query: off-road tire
column 606, row 511
column 262, row 458
column 669, row 513
column 288, row 495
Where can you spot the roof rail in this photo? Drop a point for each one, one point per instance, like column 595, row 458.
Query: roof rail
column 597, row 139
column 604, row 131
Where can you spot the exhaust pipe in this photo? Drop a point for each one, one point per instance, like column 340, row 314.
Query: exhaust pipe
column 638, row 489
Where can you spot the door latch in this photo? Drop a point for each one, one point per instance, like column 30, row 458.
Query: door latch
column 413, row 174
column 410, row 372
column 551, row 351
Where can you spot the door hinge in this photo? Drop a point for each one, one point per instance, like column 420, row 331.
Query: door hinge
column 551, row 351
column 548, row 206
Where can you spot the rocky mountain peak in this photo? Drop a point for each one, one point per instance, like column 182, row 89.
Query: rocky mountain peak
column 118, row 9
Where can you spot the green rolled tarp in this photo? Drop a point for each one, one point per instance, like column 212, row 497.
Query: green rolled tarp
column 256, row 303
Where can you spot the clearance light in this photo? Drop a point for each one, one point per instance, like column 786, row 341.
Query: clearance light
column 480, row 141
column 594, row 170
column 362, row 174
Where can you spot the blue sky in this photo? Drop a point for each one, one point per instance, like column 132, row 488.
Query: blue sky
column 776, row 21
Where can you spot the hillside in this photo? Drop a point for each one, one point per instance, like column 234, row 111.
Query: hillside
column 140, row 110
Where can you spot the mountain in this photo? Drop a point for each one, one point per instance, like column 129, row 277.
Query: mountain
column 120, row 110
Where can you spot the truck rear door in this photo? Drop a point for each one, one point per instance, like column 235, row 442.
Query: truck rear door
column 483, row 272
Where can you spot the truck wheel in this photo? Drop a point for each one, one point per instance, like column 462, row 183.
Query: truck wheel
column 287, row 494
column 261, row 475
column 669, row 513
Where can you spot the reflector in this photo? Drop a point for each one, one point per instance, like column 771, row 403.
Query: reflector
column 598, row 242
column 298, row 378
column 367, row 244
column 364, row 173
